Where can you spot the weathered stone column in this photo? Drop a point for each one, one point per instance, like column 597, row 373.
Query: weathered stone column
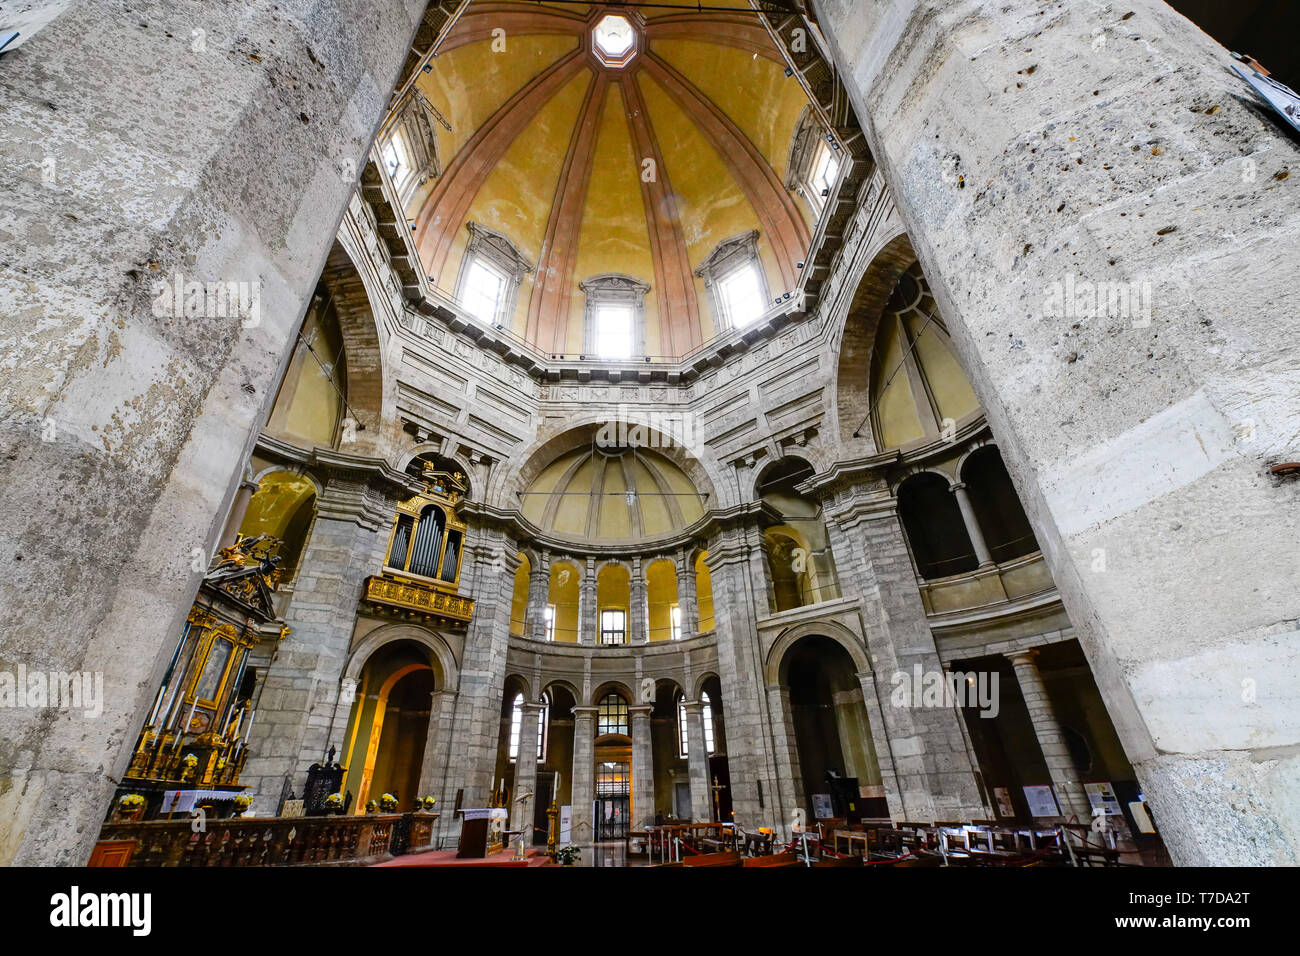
column 972, row 524
column 643, row 770
column 433, row 767
column 1006, row 132
column 237, row 512
column 476, row 729
column 884, row 752
column 638, row 626
column 785, row 746
column 1070, row 794
column 584, row 775
column 697, row 761
column 521, row 814
column 687, row 596
column 934, row 775
column 539, row 595
column 588, row 617
column 299, row 714
column 156, row 414
column 734, row 557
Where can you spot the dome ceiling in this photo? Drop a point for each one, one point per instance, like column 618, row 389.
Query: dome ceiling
column 593, row 493
column 606, row 139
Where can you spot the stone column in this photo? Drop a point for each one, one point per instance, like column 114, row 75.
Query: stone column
column 789, row 772
column 476, row 730
column 539, row 595
column 299, row 714
column 521, row 814
column 101, row 391
column 687, row 598
column 643, row 770
column 1170, row 575
column 934, row 774
column 638, row 626
column 588, row 618
column 884, row 752
column 972, row 524
column 1070, row 794
column 238, row 509
column 697, row 762
column 584, row 775
column 734, row 558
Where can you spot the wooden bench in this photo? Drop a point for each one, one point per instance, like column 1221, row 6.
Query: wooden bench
column 841, row 861
column 778, row 859
column 712, row 859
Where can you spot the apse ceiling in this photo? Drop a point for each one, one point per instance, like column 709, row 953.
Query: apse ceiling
column 612, row 139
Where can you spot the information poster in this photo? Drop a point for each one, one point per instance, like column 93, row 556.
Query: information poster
column 1003, row 797
column 566, row 824
column 822, row 807
column 1042, row 802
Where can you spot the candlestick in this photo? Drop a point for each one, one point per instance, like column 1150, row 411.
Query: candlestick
column 181, row 730
column 248, row 732
column 162, row 691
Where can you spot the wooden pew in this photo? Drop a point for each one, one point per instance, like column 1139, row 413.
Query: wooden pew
column 778, row 859
column 730, row 858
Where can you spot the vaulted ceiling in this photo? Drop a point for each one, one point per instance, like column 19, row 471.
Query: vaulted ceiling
column 641, row 167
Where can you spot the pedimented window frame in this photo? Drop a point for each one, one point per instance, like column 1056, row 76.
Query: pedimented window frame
column 497, row 250
column 730, row 256
column 805, row 148
column 414, row 128
column 614, row 288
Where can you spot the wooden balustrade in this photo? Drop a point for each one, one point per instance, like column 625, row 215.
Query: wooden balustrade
column 268, row 841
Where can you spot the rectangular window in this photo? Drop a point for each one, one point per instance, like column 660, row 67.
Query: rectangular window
column 516, row 724
column 392, row 157
column 682, row 749
column 482, row 293
column 822, row 177
column 675, row 620
column 742, row 296
column 708, row 724
column 614, row 331
column 613, row 627
column 549, row 615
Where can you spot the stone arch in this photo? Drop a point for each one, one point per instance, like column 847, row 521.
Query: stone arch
column 977, row 446
column 502, row 491
column 762, row 474
column 697, row 686
column 609, row 687
column 568, row 685
column 774, row 668
column 916, row 470
column 289, row 469
column 855, row 339
column 442, row 658
column 354, row 302
column 435, row 448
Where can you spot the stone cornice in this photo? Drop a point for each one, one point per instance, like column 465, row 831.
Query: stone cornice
column 331, row 463
column 846, row 474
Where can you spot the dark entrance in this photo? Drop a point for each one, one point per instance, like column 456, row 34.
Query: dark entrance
column 613, row 793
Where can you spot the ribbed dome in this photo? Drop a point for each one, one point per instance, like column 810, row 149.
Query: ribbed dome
column 612, row 494
column 629, row 142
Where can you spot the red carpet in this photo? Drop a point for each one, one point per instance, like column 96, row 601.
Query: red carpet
column 448, row 858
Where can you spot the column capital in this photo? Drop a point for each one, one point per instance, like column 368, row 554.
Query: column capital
column 693, row 706
column 530, row 706
column 640, row 710
column 581, row 711
column 1027, row 655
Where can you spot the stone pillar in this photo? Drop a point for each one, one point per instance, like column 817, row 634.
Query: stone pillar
column 521, row 814
column 584, row 775
column 734, row 558
column 884, row 752
column 789, row 772
column 433, row 767
column 238, row 509
column 588, row 618
column 100, row 391
column 697, row 762
column 476, row 726
column 972, row 524
column 687, row 597
column 1170, row 574
column 643, row 770
column 934, row 774
column 300, row 714
column 539, row 595
column 1070, row 794
column 638, row 611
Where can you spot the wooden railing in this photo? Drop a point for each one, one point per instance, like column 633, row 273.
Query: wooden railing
column 269, row 841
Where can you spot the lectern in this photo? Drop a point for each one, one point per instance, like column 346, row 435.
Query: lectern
column 480, row 831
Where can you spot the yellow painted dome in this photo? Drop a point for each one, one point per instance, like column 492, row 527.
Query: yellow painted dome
column 594, row 493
